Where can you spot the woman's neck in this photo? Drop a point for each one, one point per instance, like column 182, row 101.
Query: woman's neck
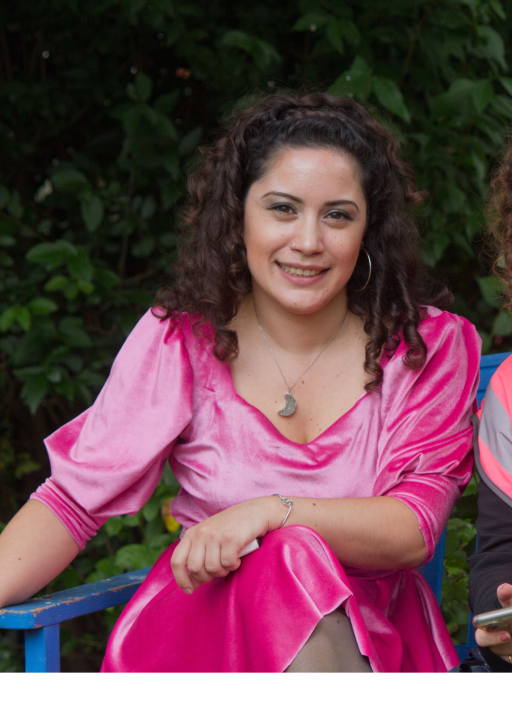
column 295, row 333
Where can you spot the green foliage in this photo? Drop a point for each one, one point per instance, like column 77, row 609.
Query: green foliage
column 103, row 105
column 460, row 543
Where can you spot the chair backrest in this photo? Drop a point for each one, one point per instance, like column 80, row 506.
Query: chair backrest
column 488, row 366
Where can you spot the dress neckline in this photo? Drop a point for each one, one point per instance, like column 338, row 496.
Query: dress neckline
column 277, row 433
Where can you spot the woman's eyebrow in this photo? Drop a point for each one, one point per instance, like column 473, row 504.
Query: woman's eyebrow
column 341, row 202
column 281, row 193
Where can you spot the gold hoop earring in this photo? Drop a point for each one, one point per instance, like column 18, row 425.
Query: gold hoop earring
column 369, row 270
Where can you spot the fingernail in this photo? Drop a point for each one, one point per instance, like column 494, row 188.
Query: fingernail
column 504, row 637
column 187, row 590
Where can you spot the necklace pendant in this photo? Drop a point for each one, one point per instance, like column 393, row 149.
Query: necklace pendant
column 291, row 405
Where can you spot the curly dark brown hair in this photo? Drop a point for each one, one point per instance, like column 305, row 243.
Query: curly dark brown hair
column 212, row 276
column 499, row 213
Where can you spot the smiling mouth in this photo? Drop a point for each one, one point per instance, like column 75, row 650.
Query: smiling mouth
column 301, row 272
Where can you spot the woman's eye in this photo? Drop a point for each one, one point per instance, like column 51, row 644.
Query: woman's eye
column 283, row 208
column 338, row 215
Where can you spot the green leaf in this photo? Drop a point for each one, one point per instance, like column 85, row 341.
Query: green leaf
column 72, row 332
column 311, row 22
column 493, row 47
column 236, row 39
column 14, row 206
column 80, row 266
column 148, row 207
column 7, row 241
column 16, row 313
column 350, row 32
column 356, row 81
column 106, row 277
column 434, row 247
column 34, row 391
column 114, row 526
column 502, row 325
column 482, row 95
column 456, row 100
column 69, row 179
column 51, row 254
column 144, row 247
column 492, row 290
column 390, row 96
column 507, row 84
column 189, row 142
column 334, row 33
column 151, row 510
column 165, row 104
column 4, row 197
column 42, row 306
column 56, row 283
column 133, row 557
column 498, row 9
column 143, row 86
column 91, row 207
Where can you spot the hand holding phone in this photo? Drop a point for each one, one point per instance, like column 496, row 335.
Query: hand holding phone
column 494, row 628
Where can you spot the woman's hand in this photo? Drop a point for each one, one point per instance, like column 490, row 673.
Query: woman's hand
column 210, row 549
column 500, row 642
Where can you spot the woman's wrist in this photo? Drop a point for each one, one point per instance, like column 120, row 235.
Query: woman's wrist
column 277, row 512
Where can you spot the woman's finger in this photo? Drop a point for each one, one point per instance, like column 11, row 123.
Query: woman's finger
column 505, row 595
column 195, row 564
column 212, row 562
column 229, row 557
column 179, row 560
column 492, row 638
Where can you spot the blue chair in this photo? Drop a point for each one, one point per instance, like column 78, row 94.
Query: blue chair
column 39, row 618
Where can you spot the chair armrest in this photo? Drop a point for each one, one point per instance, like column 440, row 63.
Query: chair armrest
column 73, row 602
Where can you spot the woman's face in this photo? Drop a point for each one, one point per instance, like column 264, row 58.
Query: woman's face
column 303, row 228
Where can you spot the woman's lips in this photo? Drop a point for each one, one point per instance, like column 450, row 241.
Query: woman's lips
column 312, row 275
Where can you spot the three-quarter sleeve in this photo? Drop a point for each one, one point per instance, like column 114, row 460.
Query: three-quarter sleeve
column 109, row 459
column 426, row 455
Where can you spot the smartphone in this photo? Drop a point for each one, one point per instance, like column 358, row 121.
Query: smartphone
column 250, row 547
column 498, row 620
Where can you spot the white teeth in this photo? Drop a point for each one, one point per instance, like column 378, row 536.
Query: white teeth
column 300, row 272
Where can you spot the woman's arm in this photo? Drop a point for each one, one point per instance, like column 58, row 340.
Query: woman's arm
column 34, row 548
column 492, row 564
column 377, row 533
column 491, row 567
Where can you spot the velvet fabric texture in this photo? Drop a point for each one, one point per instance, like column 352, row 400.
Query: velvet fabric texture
column 168, row 397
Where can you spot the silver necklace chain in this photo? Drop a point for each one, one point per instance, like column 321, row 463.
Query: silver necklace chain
column 311, row 364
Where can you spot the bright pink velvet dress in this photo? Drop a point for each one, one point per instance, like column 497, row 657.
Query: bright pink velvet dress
column 167, row 397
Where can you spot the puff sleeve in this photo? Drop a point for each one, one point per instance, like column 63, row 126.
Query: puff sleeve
column 109, row 459
column 425, row 450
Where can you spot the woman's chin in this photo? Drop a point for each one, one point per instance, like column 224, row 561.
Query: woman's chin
column 304, row 307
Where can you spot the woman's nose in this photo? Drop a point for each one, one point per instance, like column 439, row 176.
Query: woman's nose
column 308, row 237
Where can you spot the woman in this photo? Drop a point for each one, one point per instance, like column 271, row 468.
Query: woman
column 304, row 394
column 490, row 579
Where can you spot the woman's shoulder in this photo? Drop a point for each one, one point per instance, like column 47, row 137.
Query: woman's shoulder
column 501, row 385
column 181, row 337
column 446, row 335
column 440, row 326
column 453, row 350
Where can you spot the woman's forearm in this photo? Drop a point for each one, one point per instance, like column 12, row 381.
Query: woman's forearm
column 378, row 533
column 34, row 548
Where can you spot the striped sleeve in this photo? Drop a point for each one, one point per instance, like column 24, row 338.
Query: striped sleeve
column 494, row 430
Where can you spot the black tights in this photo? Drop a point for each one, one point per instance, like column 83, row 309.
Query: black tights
column 332, row 647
